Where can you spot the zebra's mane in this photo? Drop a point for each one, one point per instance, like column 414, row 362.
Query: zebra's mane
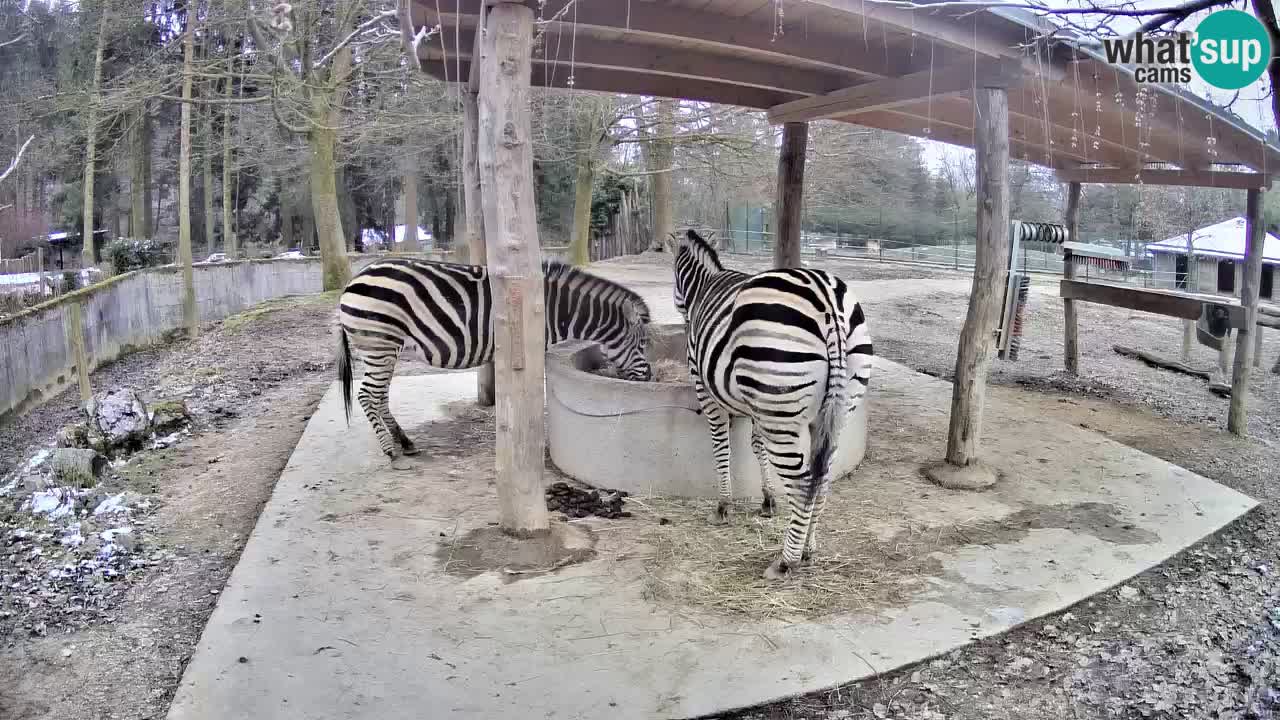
column 702, row 251
column 556, row 271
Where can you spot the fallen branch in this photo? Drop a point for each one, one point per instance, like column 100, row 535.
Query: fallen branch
column 16, row 159
column 1162, row 362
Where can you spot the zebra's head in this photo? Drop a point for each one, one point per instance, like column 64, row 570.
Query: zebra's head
column 695, row 261
column 582, row 306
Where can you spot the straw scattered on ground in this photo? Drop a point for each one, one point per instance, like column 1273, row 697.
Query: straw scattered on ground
column 695, row 564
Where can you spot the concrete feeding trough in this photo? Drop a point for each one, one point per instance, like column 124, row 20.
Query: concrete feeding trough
column 650, row 438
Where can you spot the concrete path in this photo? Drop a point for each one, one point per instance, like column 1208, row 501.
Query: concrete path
column 343, row 604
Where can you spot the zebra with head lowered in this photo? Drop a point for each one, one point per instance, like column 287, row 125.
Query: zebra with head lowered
column 788, row 349
column 446, row 309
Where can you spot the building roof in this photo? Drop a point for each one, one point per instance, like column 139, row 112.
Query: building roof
column 907, row 70
column 1091, row 250
column 1222, row 240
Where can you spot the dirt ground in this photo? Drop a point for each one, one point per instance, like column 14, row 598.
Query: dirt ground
column 1198, row 637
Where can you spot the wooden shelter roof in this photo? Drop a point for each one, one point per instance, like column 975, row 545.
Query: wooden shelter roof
column 872, row 64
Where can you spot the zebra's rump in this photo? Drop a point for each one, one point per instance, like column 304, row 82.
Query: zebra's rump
column 444, row 308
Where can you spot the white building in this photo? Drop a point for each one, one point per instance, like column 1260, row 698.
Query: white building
column 1219, row 256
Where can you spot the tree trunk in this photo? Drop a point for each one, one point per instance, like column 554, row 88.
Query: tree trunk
column 977, row 341
column 1070, row 339
column 580, row 238
column 519, row 315
column 229, row 244
column 475, row 246
column 206, row 175
column 790, row 194
column 189, row 316
column 91, row 140
column 1250, row 284
column 661, row 158
column 409, row 187
column 139, row 185
column 326, row 115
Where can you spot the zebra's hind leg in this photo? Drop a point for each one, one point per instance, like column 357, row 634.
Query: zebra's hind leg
column 768, row 503
column 405, row 443
column 718, row 423
column 374, row 388
column 788, row 448
column 811, row 542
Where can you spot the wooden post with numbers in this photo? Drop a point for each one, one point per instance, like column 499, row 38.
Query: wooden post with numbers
column 515, row 267
column 962, row 469
column 1251, row 284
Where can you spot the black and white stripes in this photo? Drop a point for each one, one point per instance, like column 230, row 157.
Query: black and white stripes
column 447, row 311
column 788, row 349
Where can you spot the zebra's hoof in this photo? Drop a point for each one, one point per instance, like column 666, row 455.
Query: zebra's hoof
column 721, row 515
column 777, row 571
column 807, row 554
column 411, row 450
column 768, row 506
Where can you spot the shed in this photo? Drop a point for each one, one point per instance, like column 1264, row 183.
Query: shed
column 1219, row 252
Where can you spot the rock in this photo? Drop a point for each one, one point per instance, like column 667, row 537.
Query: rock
column 75, row 435
column 1128, row 593
column 169, row 415
column 78, row 467
column 35, row 482
column 121, row 417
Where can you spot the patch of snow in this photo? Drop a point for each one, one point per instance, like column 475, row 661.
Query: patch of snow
column 111, row 535
column 55, row 503
column 112, row 505
column 13, row 479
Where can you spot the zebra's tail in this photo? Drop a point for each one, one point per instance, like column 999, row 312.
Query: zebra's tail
column 344, row 371
column 831, row 413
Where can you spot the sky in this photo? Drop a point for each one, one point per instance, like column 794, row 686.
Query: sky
column 1253, row 104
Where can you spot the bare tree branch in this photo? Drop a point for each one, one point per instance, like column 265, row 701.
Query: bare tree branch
column 361, row 28
column 16, row 159
column 11, row 41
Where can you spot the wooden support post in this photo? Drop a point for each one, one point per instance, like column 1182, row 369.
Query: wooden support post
column 1070, row 337
column 473, row 205
column 1250, row 285
column 40, row 269
column 1257, row 346
column 977, row 340
column 515, row 268
column 790, row 197
column 74, row 325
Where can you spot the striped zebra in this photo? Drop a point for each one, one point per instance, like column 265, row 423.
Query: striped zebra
column 446, row 309
column 780, row 348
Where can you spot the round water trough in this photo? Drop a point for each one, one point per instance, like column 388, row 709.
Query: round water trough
column 649, row 438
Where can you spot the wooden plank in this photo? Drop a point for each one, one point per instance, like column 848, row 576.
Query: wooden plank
column 743, row 37
column 1071, row 337
column 633, row 83
column 1194, row 178
column 790, row 194
column 1160, row 302
column 515, row 269
column 74, row 324
column 1250, row 285
column 584, row 51
column 893, row 92
column 977, row 340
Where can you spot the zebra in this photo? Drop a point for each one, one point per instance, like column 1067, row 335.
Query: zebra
column 446, row 309
column 778, row 347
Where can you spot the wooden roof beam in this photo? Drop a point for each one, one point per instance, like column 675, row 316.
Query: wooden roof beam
column 956, row 133
column 896, row 91
column 1230, row 180
column 631, row 83
column 709, row 30
column 591, row 52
